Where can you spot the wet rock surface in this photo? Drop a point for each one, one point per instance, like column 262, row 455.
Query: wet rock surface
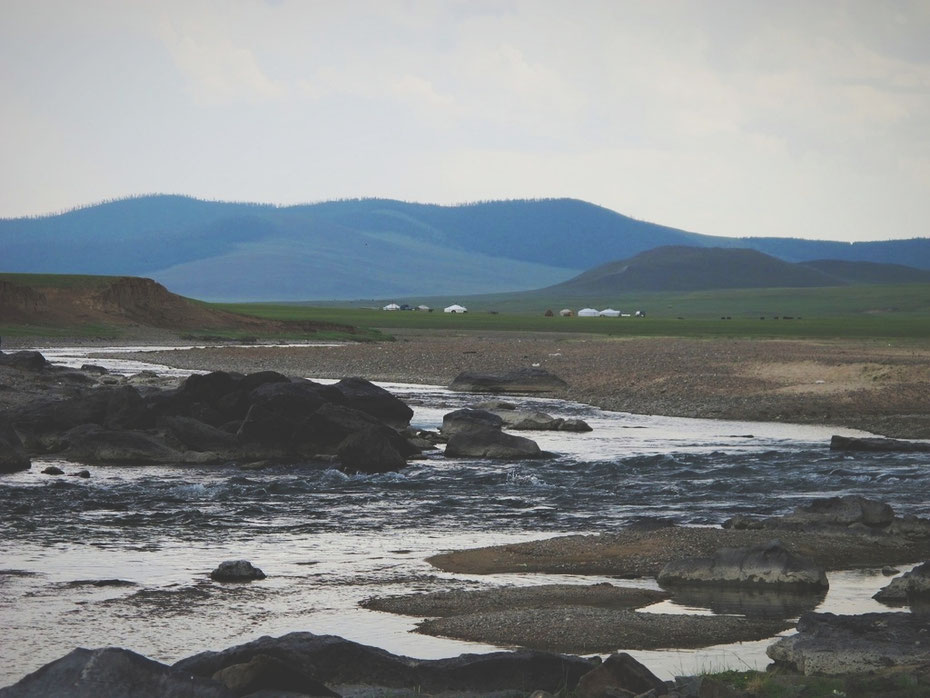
column 910, row 586
column 207, row 418
column 827, row 643
column 520, row 380
column 768, row 564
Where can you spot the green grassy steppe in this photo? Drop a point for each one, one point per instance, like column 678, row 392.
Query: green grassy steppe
column 898, row 311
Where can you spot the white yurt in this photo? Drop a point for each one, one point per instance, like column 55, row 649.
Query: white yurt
column 455, row 308
column 566, row 312
column 424, row 308
column 391, row 306
column 609, row 312
column 588, row 312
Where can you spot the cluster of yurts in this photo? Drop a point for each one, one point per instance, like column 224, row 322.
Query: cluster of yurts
column 592, row 312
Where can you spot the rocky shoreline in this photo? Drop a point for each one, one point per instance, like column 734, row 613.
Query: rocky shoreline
column 861, row 384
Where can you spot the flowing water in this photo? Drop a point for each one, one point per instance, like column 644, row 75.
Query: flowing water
column 123, row 558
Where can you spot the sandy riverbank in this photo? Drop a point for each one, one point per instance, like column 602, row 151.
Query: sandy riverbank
column 864, row 384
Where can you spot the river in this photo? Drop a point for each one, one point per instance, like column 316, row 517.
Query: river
column 122, row 558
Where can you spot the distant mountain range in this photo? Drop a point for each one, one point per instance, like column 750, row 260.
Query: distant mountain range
column 374, row 248
column 678, row 268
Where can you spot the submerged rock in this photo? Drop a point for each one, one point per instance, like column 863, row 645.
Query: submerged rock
column 849, row 443
column 236, row 571
column 769, row 564
column 521, row 380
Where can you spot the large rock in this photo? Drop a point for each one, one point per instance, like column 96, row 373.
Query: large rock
column 842, row 511
column 769, row 564
column 493, row 444
column 469, row 420
column 521, row 380
column 365, row 396
column 336, row 662
column 371, row 450
column 849, row 443
column 96, row 445
column 112, row 672
column 126, row 409
column 264, row 673
column 12, row 456
column 24, row 360
column 830, row 644
column 619, row 671
column 198, row 436
column 907, row 587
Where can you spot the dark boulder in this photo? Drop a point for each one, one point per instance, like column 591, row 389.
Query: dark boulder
column 831, row 644
column 126, row 409
column 24, row 360
column 236, row 571
column 502, row 671
column 12, row 456
column 336, row 662
column 49, row 415
column 208, row 387
column 53, row 470
column 849, row 443
column 197, row 436
column 328, row 658
column 260, row 378
column 264, row 426
column 521, row 380
column 619, row 671
column 470, row 420
column 93, row 444
column 365, row 396
column 492, row 444
column 112, row 672
column 907, row 587
column 769, row 564
column 371, row 450
column 265, row 673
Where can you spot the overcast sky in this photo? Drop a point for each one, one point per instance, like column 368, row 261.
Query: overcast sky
column 742, row 117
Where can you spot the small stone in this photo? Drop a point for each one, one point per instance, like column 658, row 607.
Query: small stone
column 236, row 571
column 53, row 470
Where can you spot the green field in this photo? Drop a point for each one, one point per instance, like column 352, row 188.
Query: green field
column 900, row 311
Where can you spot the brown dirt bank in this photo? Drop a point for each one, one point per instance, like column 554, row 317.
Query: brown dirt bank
column 862, row 384
column 633, row 553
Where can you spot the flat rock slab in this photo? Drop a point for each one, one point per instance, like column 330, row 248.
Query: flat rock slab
column 637, row 553
column 460, row 602
column 521, row 380
column 582, row 629
column 827, row 643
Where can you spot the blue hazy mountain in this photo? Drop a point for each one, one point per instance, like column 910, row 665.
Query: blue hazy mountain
column 371, row 248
